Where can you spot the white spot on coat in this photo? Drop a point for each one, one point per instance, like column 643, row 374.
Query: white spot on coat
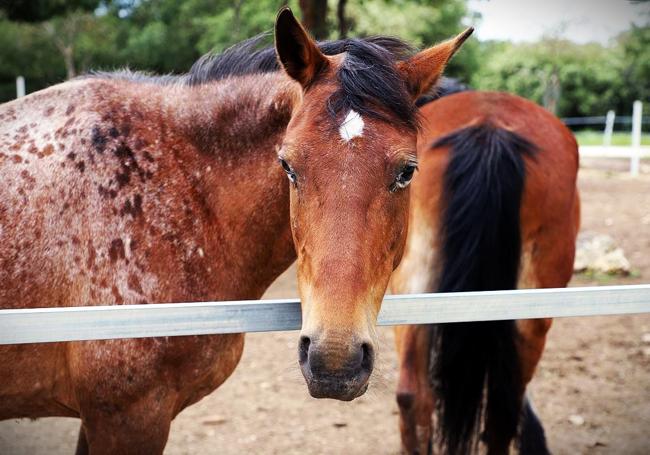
column 352, row 126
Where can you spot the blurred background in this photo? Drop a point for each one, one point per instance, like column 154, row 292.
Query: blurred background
column 579, row 58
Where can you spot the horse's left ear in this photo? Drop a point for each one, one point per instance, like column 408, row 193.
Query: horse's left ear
column 422, row 71
column 297, row 52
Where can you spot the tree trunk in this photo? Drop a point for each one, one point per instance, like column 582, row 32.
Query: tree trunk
column 68, row 58
column 343, row 23
column 552, row 92
column 314, row 16
column 237, row 4
column 64, row 32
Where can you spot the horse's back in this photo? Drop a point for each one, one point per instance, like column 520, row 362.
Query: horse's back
column 501, row 110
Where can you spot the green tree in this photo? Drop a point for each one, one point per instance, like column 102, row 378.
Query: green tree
column 419, row 22
column 589, row 76
column 48, row 41
column 635, row 73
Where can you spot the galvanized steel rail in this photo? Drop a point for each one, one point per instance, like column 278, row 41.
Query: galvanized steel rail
column 42, row 325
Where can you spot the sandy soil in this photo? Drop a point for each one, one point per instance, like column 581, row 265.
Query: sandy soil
column 596, row 368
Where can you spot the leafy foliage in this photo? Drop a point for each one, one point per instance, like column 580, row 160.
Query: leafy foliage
column 48, row 41
column 592, row 79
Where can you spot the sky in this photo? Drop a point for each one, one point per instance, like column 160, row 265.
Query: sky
column 581, row 21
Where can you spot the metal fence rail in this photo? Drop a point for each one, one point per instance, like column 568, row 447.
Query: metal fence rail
column 154, row 320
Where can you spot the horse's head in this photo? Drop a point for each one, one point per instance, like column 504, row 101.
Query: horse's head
column 349, row 153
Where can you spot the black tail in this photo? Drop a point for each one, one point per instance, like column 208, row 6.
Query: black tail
column 475, row 368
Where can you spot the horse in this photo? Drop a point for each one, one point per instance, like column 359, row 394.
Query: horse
column 123, row 188
column 494, row 206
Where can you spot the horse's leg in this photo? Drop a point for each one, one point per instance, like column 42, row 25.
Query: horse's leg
column 82, row 442
column 550, row 267
column 530, row 344
column 414, row 395
column 129, row 390
column 126, row 392
column 130, row 429
column 532, row 438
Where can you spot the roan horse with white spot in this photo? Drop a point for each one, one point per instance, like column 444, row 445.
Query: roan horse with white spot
column 122, row 188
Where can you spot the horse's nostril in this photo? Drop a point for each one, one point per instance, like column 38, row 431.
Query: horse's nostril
column 367, row 358
column 303, row 349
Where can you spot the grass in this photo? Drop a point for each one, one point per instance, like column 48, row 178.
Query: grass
column 594, row 137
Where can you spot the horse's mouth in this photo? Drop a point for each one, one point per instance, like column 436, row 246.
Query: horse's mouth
column 337, row 389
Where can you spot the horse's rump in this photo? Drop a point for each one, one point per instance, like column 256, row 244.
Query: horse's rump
column 495, row 206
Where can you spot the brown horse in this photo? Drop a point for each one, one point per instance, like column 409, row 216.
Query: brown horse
column 495, row 206
column 122, row 188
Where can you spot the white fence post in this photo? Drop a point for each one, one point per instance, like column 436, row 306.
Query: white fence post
column 609, row 128
column 20, row 86
column 635, row 159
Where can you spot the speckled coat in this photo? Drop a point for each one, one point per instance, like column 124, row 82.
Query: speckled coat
column 124, row 192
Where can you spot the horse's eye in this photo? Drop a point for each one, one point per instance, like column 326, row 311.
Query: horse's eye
column 289, row 170
column 404, row 177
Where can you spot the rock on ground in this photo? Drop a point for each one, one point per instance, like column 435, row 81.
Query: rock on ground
column 598, row 253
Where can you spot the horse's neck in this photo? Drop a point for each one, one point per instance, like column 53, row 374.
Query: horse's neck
column 236, row 127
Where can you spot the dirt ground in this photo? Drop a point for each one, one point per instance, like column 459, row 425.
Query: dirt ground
column 595, row 370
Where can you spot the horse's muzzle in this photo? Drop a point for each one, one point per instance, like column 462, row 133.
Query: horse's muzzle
column 334, row 369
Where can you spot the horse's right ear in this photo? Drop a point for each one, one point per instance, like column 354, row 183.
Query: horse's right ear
column 298, row 53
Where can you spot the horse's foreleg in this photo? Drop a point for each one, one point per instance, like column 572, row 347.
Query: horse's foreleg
column 129, row 429
column 414, row 395
column 82, row 443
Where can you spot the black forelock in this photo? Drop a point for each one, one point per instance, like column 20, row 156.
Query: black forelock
column 369, row 81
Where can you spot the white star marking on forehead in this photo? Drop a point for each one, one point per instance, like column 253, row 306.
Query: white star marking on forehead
column 352, row 126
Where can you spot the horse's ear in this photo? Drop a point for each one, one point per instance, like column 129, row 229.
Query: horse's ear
column 297, row 52
column 422, row 71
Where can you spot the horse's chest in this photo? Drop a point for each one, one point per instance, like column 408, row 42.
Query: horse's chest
column 214, row 360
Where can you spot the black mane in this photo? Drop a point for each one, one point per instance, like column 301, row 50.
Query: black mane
column 369, row 81
column 445, row 86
